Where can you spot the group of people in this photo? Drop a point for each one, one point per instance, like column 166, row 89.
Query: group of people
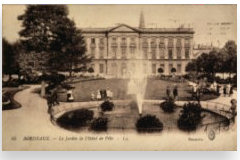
column 102, row 94
column 174, row 92
column 227, row 89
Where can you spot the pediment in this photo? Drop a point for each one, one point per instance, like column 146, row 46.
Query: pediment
column 123, row 28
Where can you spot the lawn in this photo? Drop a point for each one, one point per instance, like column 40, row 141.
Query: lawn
column 156, row 89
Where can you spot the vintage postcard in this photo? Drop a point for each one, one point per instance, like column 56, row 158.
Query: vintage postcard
column 119, row 77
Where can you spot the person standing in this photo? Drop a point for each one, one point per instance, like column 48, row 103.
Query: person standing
column 231, row 91
column 233, row 109
column 228, row 89
column 168, row 91
column 55, row 97
column 70, row 96
column 49, row 102
column 224, row 90
column 175, row 92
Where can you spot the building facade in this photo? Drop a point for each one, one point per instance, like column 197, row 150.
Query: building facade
column 117, row 51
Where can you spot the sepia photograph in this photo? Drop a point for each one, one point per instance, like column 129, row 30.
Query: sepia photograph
column 115, row 77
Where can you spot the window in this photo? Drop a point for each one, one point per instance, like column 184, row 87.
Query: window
column 145, row 53
column 93, row 52
column 187, row 42
column 170, row 42
column 153, row 43
column 161, row 51
column 144, row 43
column 179, row 68
column 132, row 51
column 162, row 66
column 153, row 68
column 170, row 54
column 170, row 68
column 179, row 53
column 101, row 52
column 179, row 44
column 114, row 52
column 101, row 68
column 93, row 40
column 153, row 53
column 101, row 40
column 187, row 53
column 123, row 52
column 161, row 44
column 114, row 69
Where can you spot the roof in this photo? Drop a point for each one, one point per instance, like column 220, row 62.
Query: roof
column 136, row 29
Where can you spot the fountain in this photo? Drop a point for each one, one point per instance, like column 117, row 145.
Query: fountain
column 137, row 85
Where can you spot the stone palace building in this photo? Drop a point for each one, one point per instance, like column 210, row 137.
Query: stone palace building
column 118, row 50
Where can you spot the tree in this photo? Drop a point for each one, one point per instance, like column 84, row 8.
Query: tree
column 229, row 53
column 48, row 30
column 72, row 55
column 10, row 65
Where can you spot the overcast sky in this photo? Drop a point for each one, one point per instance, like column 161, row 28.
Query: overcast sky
column 212, row 23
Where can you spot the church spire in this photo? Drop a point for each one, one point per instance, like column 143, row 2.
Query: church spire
column 141, row 22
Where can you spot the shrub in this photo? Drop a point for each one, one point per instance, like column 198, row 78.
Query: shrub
column 190, row 117
column 90, row 70
column 99, row 124
column 11, row 83
column 149, row 123
column 168, row 106
column 107, row 106
column 75, row 119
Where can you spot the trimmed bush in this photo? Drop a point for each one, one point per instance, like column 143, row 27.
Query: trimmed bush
column 99, row 124
column 190, row 117
column 75, row 119
column 107, row 106
column 168, row 106
column 149, row 123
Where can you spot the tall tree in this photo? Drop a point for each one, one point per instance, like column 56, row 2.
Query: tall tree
column 10, row 65
column 48, row 30
column 229, row 52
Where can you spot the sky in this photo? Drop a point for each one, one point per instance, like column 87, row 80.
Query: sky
column 212, row 23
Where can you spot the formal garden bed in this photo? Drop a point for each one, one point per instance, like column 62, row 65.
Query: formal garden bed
column 187, row 118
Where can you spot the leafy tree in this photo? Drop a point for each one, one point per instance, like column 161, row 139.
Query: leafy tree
column 48, row 30
column 10, row 65
column 229, row 53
